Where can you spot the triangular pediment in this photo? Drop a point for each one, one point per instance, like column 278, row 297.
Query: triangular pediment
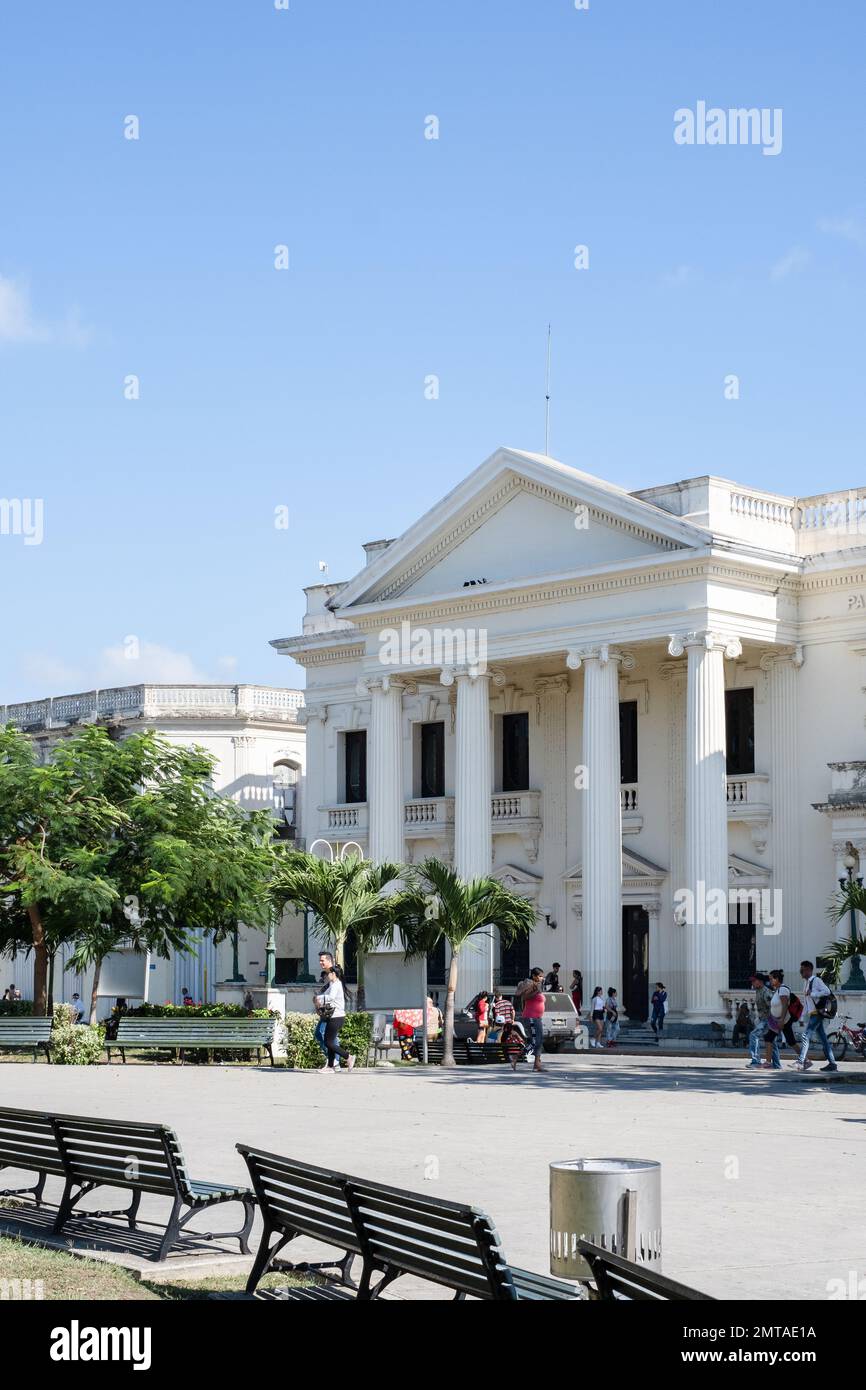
column 518, row 518
column 634, row 867
column 519, row 881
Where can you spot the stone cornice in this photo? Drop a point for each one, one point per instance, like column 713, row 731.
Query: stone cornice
column 649, row 575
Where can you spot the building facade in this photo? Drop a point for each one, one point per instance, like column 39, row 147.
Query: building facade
column 642, row 711
column 256, row 736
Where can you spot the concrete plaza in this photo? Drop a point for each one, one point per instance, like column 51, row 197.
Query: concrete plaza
column 760, row 1171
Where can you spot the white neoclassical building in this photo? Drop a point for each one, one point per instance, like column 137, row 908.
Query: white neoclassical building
column 643, row 711
column 256, row 735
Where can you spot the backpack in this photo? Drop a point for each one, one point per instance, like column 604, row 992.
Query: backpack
column 827, row 1006
column 795, row 1007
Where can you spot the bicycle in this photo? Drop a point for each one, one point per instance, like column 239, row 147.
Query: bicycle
column 845, row 1035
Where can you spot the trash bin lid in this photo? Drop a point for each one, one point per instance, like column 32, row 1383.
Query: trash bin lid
column 606, row 1165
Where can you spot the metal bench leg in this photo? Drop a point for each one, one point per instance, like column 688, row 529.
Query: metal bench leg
column 249, row 1217
column 172, row 1230
column 65, row 1209
column 264, row 1257
column 133, row 1208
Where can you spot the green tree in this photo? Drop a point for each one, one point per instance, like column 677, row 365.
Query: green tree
column 847, row 902
column 440, row 904
column 122, row 841
column 345, row 895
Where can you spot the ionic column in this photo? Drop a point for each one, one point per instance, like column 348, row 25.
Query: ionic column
column 473, row 791
column 782, row 667
column 550, row 703
column 706, row 818
column 385, row 769
column 671, row 967
column 313, row 718
column 601, row 828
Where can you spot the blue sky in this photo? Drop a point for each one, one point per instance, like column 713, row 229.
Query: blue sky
column 408, row 257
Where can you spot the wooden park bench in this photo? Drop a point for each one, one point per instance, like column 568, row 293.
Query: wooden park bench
column 91, row 1153
column 394, row 1233
column 618, row 1280
column 26, row 1032
column 193, row 1034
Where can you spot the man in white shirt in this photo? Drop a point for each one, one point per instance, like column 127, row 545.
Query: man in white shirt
column 814, row 993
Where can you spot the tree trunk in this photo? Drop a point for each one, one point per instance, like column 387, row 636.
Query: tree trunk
column 448, row 1052
column 94, row 993
column 40, row 964
column 360, row 993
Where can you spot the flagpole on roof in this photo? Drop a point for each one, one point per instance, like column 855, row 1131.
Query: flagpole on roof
column 547, row 398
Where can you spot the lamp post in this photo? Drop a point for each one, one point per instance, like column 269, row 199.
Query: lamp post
column 855, row 978
column 270, row 955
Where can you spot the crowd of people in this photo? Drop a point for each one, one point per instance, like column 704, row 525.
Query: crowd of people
column 777, row 1009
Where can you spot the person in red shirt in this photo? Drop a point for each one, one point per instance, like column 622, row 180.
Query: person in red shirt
column 482, row 1014
column 532, row 1000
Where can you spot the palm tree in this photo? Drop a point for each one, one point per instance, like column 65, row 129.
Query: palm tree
column 849, row 900
column 346, row 895
column 439, row 903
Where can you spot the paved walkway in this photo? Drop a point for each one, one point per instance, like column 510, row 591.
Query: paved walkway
column 751, row 1162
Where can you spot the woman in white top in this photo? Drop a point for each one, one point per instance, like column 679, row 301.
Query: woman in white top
column 780, row 1006
column 331, row 1004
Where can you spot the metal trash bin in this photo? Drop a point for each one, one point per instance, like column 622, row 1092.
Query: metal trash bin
column 613, row 1202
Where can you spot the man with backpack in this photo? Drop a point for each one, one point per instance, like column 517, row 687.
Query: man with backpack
column 819, row 1004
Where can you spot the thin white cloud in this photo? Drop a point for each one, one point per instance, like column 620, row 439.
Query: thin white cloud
column 679, row 277
column 848, row 228
column 19, row 324
column 132, row 662
column 791, row 264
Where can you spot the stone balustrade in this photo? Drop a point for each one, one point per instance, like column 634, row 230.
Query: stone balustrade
column 147, row 701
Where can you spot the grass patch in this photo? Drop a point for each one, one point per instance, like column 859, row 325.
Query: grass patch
column 31, row 1271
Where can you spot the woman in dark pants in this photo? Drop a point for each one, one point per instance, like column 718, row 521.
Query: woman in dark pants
column 332, row 1008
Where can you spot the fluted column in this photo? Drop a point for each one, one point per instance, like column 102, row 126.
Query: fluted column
column 385, row 770
column 782, row 667
column 601, row 830
column 706, row 819
column 671, row 968
column 551, row 693
column 473, row 791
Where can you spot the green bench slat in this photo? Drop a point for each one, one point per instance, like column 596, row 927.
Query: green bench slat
column 617, row 1278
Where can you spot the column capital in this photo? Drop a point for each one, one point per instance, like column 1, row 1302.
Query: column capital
column 471, row 672
column 555, row 683
column 309, row 714
column 367, row 685
column 601, row 652
column 711, row 641
column 783, row 656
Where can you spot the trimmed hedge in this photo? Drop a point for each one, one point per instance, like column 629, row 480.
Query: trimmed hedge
column 303, row 1052
column 18, row 1008
column 197, row 1011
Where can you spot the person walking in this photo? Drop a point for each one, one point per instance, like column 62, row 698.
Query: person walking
column 577, row 989
column 532, row 999
column 331, row 1004
column 482, row 1017
column 780, row 1022
column 763, row 997
column 611, row 1018
column 326, row 961
column 551, row 979
column 659, row 1004
column 596, row 1010
column 816, row 1000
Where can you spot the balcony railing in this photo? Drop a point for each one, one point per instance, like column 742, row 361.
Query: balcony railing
column 348, row 816
column 507, row 806
column 748, row 795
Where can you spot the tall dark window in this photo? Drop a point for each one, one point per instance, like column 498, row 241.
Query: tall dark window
column 740, row 729
column 514, row 961
column 515, row 752
column 628, row 741
column 741, row 945
column 433, row 759
column 356, row 765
